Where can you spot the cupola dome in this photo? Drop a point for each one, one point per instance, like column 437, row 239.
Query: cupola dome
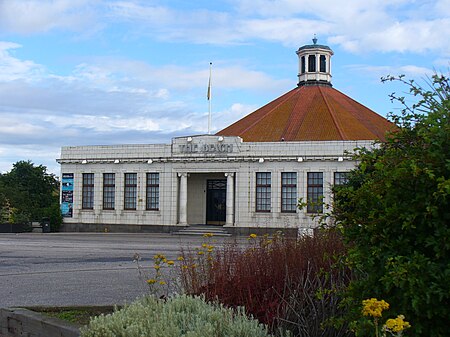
column 314, row 64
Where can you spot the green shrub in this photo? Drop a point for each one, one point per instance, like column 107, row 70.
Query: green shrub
column 394, row 212
column 177, row 316
column 53, row 213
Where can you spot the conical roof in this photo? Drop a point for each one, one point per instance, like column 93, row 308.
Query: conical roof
column 311, row 113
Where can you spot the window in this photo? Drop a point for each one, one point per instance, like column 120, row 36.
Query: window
column 152, row 203
column 315, row 192
column 130, row 191
column 263, row 189
column 302, row 65
column 312, row 63
column 288, row 192
column 109, row 190
column 88, row 191
column 340, row 178
column 323, row 64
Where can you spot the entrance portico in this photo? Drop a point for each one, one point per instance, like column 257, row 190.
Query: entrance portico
column 206, row 198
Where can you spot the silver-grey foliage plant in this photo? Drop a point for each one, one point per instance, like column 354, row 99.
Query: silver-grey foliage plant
column 177, row 316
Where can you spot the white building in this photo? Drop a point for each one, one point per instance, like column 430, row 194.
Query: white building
column 248, row 176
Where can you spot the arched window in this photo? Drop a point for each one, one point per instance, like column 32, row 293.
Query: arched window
column 312, row 63
column 302, row 65
column 323, row 64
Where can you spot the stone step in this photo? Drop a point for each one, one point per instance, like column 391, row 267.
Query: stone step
column 201, row 230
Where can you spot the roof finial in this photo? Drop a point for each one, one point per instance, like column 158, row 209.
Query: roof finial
column 314, row 39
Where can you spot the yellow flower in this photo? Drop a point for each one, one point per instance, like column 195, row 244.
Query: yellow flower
column 157, row 267
column 184, row 267
column 397, row 324
column 170, row 263
column 373, row 307
column 151, row 281
column 208, row 235
column 253, row 236
column 162, row 283
column 210, row 247
column 180, row 258
column 210, row 250
column 201, row 252
column 204, row 245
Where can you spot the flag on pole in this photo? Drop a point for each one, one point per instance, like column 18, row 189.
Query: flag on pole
column 208, row 94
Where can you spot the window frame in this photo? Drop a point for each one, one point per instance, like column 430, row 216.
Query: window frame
column 87, row 191
column 312, row 66
column 289, row 189
column 109, row 191
column 302, row 65
column 130, row 192
column 152, row 191
column 263, row 192
column 342, row 180
column 314, row 192
column 322, row 64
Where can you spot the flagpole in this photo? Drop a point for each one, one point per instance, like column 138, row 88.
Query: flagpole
column 209, row 99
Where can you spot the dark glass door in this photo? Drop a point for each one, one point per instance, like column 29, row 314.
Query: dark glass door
column 216, row 197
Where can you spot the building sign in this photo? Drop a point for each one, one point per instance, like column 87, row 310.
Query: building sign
column 206, row 148
column 67, row 195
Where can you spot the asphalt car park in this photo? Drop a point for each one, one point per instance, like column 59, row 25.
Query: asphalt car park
column 75, row 269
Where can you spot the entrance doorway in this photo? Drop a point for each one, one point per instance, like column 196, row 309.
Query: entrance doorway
column 216, row 198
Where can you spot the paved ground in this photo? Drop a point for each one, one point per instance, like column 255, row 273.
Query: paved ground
column 60, row 269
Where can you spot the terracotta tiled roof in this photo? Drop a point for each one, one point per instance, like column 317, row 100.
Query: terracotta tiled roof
column 310, row 113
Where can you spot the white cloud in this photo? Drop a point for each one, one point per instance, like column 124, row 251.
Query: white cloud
column 40, row 154
column 12, row 68
column 16, row 127
column 411, row 71
column 417, row 36
column 359, row 26
column 235, row 112
column 103, row 123
column 33, row 16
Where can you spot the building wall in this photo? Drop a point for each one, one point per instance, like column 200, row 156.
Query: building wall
column 202, row 158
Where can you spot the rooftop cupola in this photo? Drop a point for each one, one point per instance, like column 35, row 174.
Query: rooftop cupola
column 314, row 64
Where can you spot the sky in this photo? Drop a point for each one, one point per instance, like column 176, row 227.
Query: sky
column 99, row 72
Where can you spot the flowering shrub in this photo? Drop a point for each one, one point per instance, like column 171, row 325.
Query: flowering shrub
column 177, row 316
column 396, row 325
column 158, row 282
column 374, row 308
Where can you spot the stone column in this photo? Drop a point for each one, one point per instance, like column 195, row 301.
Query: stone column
column 229, row 220
column 183, row 198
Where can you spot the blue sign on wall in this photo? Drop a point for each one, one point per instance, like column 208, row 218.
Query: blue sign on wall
column 67, row 195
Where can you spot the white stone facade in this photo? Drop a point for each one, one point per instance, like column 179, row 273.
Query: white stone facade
column 188, row 167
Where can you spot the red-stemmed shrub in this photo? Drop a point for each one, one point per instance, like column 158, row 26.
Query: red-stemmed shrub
column 275, row 278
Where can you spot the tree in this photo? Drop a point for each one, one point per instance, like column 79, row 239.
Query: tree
column 395, row 213
column 31, row 192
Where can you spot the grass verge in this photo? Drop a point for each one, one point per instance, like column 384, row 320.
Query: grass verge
column 75, row 315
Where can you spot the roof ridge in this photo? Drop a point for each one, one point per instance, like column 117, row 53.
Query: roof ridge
column 286, row 132
column 333, row 117
column 364, row 121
